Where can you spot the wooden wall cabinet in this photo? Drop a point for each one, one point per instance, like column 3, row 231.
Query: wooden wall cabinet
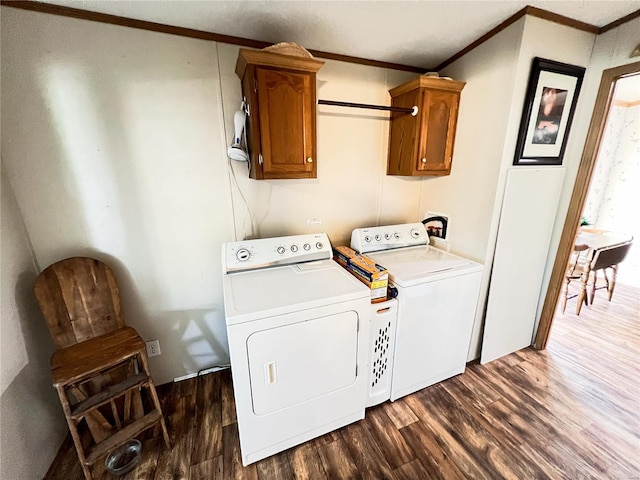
column 423, row 144
column 281, row 126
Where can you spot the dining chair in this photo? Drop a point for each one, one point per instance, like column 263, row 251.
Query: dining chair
column 607, row 259
column 577, row 269
column 100, row 368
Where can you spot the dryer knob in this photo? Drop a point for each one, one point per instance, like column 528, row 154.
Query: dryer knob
column 387, row 236
column 294, row 248
column 415, row 233
column 307, row 247
column 367, row 239
column 243, row 254
column 396, row 236
column 281, row 249
column 319, row 245
column 378, row 238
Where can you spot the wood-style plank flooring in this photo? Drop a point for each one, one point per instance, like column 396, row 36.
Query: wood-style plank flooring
column 570, row 412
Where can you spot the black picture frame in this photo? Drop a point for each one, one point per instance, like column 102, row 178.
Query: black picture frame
column 550, row 102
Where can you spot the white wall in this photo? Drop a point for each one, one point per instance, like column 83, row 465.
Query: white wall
column 31, row 418
column 496, row 73
column 468, row 195
column 113, row 142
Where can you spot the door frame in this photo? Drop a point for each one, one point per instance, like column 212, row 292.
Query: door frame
column 579, row 195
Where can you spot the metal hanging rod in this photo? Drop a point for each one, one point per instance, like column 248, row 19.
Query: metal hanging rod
column 413, row 110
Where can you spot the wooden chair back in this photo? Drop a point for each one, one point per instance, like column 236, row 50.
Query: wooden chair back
column 79, row 300
column 608, row 257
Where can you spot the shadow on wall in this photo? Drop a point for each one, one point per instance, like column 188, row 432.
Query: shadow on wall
column 192, row 340
column 31, row 417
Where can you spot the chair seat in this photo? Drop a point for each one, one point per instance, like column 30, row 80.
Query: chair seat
column 84, row 359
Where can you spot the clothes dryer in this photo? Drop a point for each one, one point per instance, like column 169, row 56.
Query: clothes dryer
column 298, row 326
column 437, row 298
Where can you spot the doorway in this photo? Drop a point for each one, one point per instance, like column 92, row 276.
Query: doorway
column 593, row 144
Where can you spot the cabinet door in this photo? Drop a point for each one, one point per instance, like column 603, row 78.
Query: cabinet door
column 403, row 135
column 286, row 102
column 439, row 117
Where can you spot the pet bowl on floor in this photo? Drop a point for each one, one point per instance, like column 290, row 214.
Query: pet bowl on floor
column 124, row 458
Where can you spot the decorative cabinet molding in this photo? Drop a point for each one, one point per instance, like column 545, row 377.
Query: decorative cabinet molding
column 423, row 144
column 280, row 91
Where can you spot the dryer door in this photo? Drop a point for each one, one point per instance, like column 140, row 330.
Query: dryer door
column 302, row 361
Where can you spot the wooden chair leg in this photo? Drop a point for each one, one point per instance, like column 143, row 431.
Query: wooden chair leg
column 612, row 283
column 73, row 429
column 593, row 287
column 582, row 296
column 154, row 396
column 565, row 294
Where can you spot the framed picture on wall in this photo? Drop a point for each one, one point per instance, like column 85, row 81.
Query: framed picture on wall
column 552, row 94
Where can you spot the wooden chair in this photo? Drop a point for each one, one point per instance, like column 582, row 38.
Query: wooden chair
column 577, row 269
column 100, row 368
column 607, row 259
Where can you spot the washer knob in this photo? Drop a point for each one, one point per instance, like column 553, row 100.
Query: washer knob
column 415, row 233
column 387, row 236
column 378, row 238
column 396, row 236
column 294, row 248
column 307, row 247
column 367, row 239
column 281, row 249
column 243, row 254
column 319, row 245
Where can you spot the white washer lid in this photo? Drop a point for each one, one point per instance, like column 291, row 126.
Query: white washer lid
column 274, row 291
column 415, row 265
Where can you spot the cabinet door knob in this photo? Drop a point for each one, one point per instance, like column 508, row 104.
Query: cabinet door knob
column 424, row 160
column 309, row 160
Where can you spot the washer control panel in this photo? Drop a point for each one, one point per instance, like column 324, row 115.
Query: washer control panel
column 269, row 252
column 373, row 239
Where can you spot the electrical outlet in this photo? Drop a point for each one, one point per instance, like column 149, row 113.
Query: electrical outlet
column 153, row 348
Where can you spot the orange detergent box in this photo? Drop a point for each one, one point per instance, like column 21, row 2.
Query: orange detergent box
column 364, row 269
column 343, row 254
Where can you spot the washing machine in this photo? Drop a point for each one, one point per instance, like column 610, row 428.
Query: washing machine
column 298, row 326
column 437, row 297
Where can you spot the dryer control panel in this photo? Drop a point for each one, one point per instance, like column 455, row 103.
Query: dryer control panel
column 374, row 239
column 270, row 252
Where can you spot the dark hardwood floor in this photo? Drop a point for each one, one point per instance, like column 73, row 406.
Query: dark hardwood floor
column 569, row 412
